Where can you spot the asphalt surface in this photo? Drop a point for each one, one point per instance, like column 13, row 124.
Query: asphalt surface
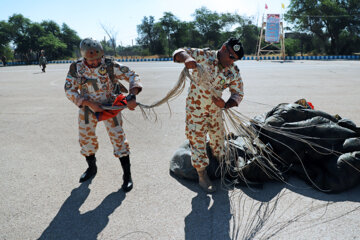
column 40, row 163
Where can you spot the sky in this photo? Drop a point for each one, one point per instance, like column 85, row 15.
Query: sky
column 122, row 17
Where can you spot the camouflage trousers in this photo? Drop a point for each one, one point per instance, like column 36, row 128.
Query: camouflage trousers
column 88, row 139
column 198, row 126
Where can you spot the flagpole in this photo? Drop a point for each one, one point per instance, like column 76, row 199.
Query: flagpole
column 282, row 32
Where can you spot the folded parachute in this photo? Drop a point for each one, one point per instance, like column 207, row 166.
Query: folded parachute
column 292, row 140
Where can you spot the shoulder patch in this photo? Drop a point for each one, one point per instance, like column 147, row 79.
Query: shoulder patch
column 102, row 71
column 124, row 69
column 68, row 85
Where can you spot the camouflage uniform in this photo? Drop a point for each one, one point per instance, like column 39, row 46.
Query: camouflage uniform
column 43, row 62
column 98, row 85
column 202, row 115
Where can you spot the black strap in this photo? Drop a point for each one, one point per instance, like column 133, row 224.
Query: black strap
column 116, row 122
column 86, row 114
column 119, row 88
column 93, row 82
column 110, row 69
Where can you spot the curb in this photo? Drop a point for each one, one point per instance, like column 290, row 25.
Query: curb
column 347, row 57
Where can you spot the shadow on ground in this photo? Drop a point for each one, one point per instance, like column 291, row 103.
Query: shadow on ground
column 265, row 219
column 69, row 223
column 210, row 215
column 272, row 189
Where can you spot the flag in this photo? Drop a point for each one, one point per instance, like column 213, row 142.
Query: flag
column 283, row 6
column 266, row 6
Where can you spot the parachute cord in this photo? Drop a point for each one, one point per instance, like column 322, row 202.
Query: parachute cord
column 235, row 120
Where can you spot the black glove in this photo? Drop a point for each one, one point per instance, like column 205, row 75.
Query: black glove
column 130, row 97
column 230, row 103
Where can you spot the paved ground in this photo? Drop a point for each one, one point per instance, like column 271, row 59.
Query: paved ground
column 40, row 164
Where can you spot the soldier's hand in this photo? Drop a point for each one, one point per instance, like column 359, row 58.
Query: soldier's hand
column 131, row 104
column 190, row 63
column 218, row 102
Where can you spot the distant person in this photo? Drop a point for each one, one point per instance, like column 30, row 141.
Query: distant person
column 90, row 83
column 42, row 61
column 203, row 109
column 3, row 59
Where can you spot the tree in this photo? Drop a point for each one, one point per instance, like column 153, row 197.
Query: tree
column 52, row 45
column 216, row 28
column 51, row 27
column 19, row 32
column 151, row 35
column 326, row 19
column 112, row 36
column 29, row 38
column 170, row 24
column 186, row 35
column 71, row 39
column 209, row 25
column 304, row 43
column 4, row 33
column 146, row 32
column 248, row 34
column 35, row 32
column 227, row 20
column 107, row 46
column 4, row 38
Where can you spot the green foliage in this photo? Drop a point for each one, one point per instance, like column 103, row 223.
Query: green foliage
column 51, row 27
column 209, row 29
column 319, row 27
column 5, row 32
column 349, row 43
column 331, row 22
column 107, row 46
column 30, row 38
column 292, row 46
column 209, row 25
column 296, row 42
column 52, row 45
column 170, row 24
column 152, row 36
column 71, row 39
column 135, row 50
column 6, row 51
column 249, row 35
column 5, row 38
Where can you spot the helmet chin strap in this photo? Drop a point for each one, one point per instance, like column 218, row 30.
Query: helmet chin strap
column 92, row 65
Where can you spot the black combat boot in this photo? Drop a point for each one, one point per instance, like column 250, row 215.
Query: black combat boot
column 128, row 183
column 92, row 169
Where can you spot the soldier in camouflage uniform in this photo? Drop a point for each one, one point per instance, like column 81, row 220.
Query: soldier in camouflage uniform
column 42, row 61
column 203, row 105
column 90, row 83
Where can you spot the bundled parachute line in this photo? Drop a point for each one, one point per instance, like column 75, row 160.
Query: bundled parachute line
column 172, row 94
column 290, row 139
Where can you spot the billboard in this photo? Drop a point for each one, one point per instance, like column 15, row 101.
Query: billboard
column 272, row 33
